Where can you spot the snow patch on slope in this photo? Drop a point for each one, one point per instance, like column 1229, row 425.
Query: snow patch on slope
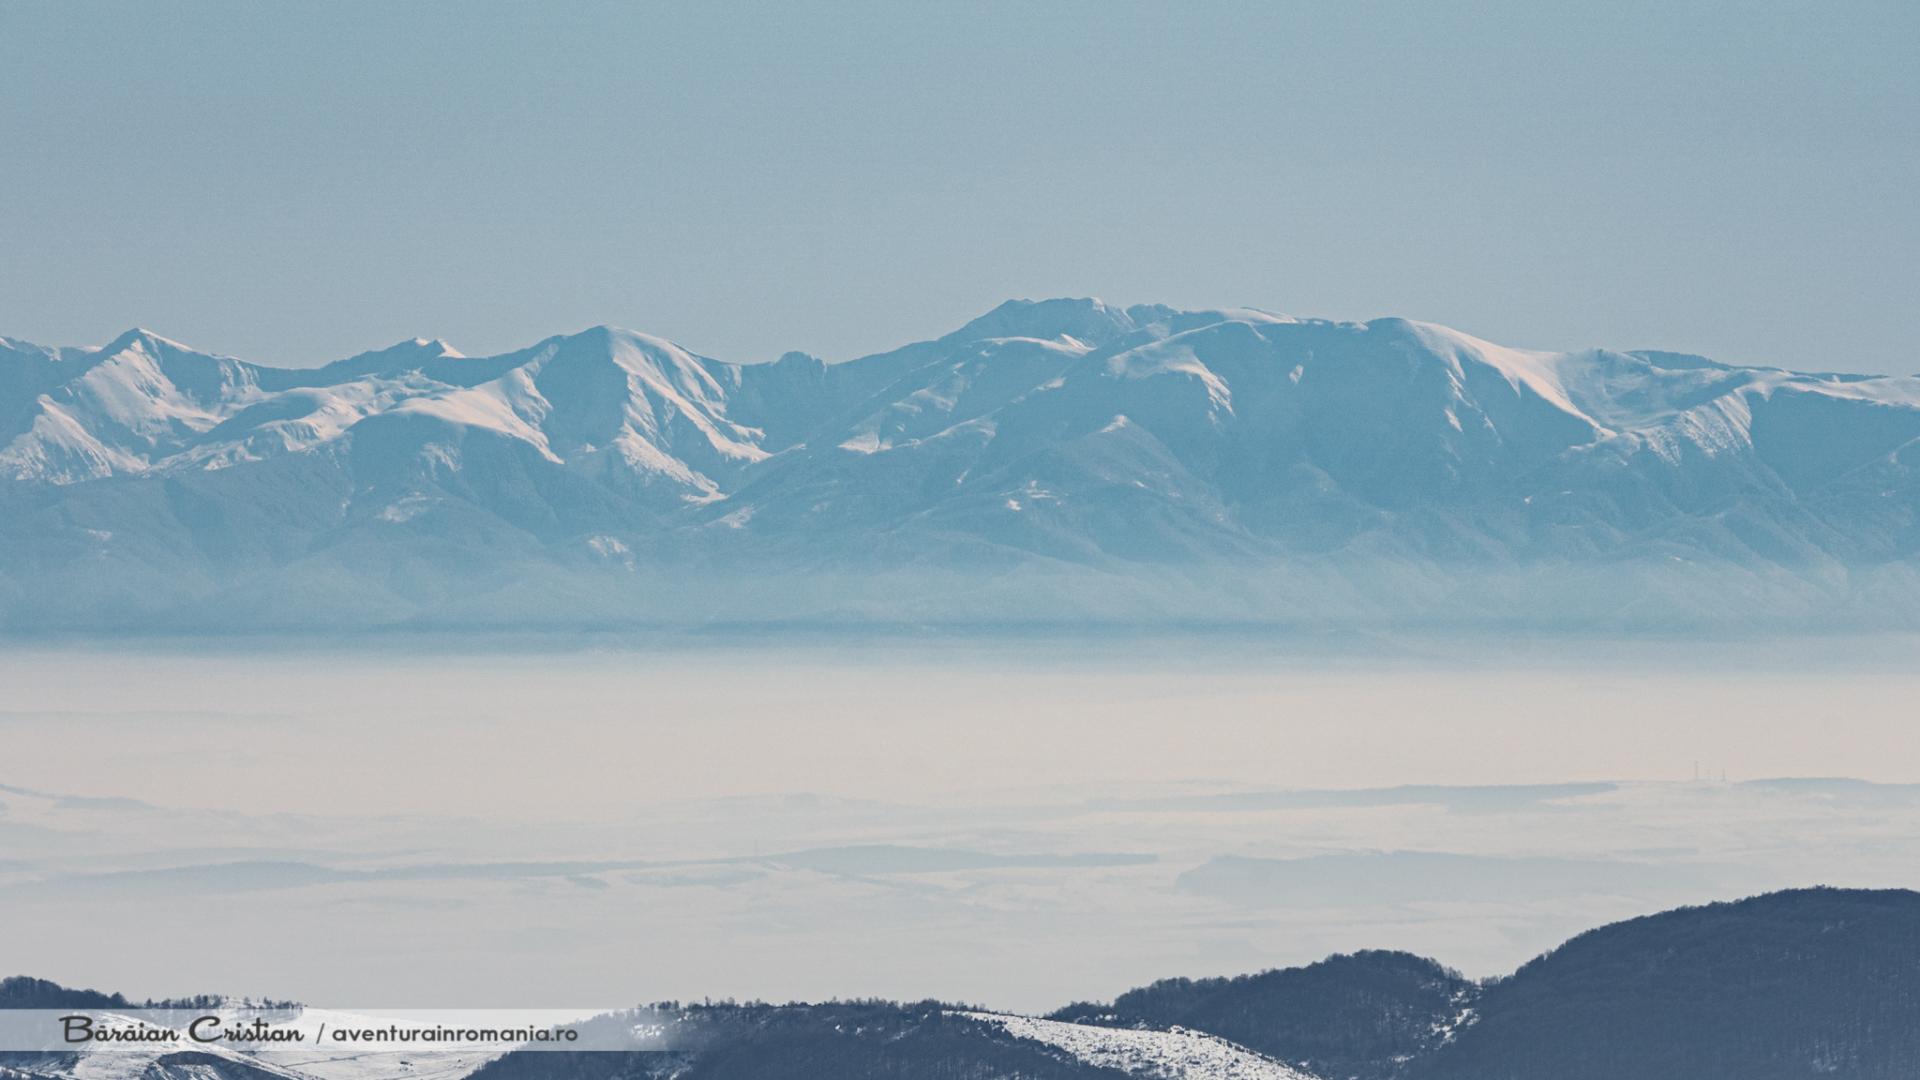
column 58, row 449
column 1539, row 372
column 1171, row 357
column 1176, row 1054
column 490, row 407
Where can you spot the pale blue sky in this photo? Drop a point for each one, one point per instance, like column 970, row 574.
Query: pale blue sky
column 296, row 183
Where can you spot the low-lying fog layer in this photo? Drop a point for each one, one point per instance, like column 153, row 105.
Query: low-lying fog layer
column 1016, row 823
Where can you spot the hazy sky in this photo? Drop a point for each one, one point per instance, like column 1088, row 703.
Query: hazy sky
column 295, row 183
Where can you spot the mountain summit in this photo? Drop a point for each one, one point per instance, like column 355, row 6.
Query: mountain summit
column 1056, row 460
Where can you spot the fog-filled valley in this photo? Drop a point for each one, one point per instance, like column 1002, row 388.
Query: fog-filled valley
column 1014, row 822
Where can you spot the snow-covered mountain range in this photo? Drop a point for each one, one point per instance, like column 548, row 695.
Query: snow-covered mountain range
column 1061, row 459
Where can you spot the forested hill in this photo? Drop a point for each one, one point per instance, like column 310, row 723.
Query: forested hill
column 1364, row 1015
column 25, row 992
column 1799, row 984
column 1808, row 983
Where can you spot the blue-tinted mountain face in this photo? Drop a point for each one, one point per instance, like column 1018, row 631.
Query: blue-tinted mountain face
column 1059, row 460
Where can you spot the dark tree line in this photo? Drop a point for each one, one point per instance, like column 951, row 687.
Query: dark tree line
column 1361, row 1016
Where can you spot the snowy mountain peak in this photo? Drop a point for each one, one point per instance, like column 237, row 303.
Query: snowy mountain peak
column 435, row 346
column 401, row 355
column 142, row 338
column 1084, row 318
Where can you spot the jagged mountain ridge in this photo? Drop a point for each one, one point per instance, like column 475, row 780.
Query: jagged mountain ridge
column 1061, row 437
